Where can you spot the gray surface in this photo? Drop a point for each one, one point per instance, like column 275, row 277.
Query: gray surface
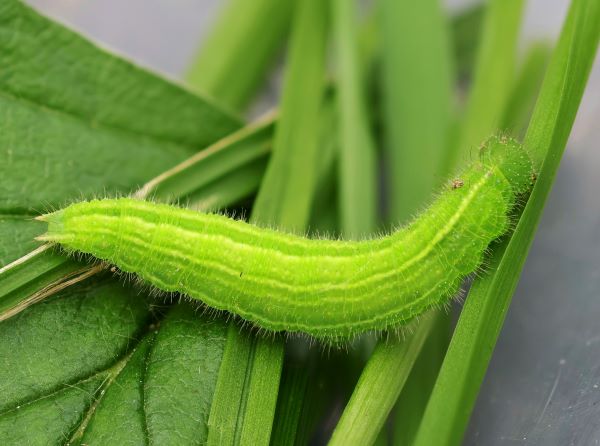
column 543, row 385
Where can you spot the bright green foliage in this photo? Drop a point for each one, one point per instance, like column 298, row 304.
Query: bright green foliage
column 391, row 359
column 100, row 126
column 417, row 77
column 244, row 39
column 20, row 230
column 286, row 195
column 468, row 356
column 493, row 79
column 130, row 120
column 357, row 162
column 119, row 415
column 108, row 389
column 227, row 171
column 97, row 364
column 525, row 90
column 50, row 349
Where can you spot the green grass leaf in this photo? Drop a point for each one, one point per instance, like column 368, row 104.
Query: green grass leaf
column 379, row 386
column 478, row 328
column 244, row 39
column 493, row 78
column 417, row 83
column 357, row 158
column 525, row 91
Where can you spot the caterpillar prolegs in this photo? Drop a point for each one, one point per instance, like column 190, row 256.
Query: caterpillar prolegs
column 329, row 289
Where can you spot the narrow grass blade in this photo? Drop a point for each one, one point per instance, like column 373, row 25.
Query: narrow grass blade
column 417, row 82
column 236, row 54
column 412, row 401
column 379, row 386
column 287, row 192
column 493, row 78
column 472, row 345
column 247, row 390
column 525, row 91
column 297, row 405
column 228, row 155
column 357, row 163
column 465, row 30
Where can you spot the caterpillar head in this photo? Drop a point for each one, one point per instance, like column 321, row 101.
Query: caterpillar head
column 509, row 157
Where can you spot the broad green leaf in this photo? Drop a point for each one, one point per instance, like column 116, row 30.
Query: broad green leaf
column 164, row 392
column 95, row 382
column 49, row 350
column 101, row 124
column 246, row 396
column 244, row 38
column 87, row 335
column 119, row 415
column 20, row 230
column 481, row 320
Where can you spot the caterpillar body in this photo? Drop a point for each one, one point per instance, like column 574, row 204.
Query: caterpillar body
column 329, row 289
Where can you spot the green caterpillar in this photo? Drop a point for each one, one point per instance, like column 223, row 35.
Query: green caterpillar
column 329, row 289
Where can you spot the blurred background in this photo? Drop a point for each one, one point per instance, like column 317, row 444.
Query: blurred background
column 543, row 384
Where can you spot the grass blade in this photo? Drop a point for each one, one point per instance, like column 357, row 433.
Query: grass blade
column 471, row 347
column 378, row 387
column 466, row 29
column 493, row 79
column 234, row 57
column 287, row 192
column 417, row 81
column 526, row 89
column 227, row 155
column 245, row 414
column 357, row 163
